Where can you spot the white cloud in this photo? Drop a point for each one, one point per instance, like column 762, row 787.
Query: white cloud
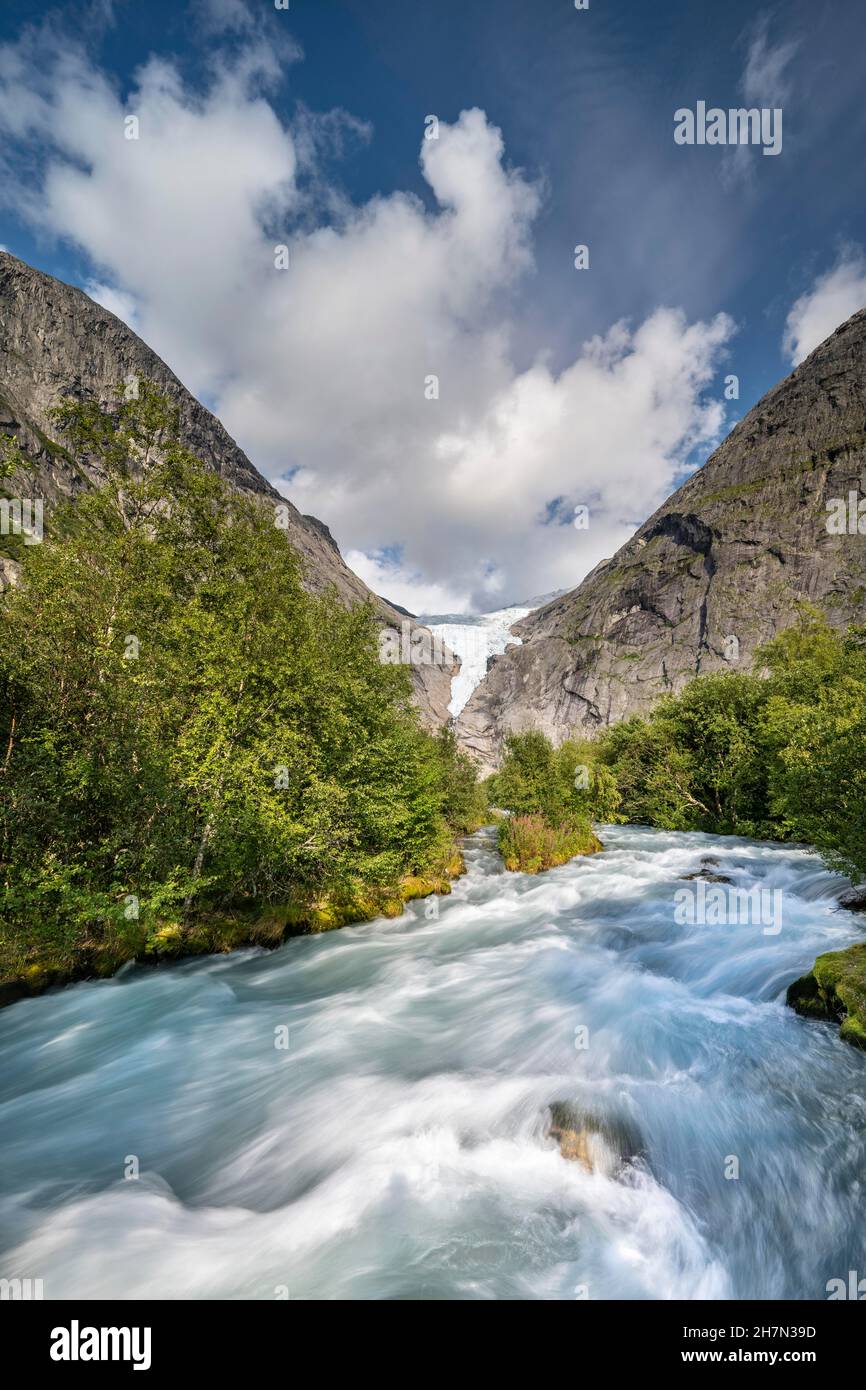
column 766, row 82
column 405, row 586
column 115, row 301
column 834, row 297
column 224, row 16
column 319, row 370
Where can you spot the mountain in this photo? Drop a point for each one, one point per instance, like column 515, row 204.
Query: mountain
column 716, row 571
column 541, row 599
column 56, row 342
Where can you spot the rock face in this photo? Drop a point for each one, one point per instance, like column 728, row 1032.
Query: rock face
column 56, row 342
column 716, row 571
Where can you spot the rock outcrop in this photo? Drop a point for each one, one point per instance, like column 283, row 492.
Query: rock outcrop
column 56, row 342
column 835, row 990
column 720, row 568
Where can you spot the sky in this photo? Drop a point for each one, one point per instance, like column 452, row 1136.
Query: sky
column 349, row 226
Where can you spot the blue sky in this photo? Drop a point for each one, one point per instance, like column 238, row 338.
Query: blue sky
column 306, row 128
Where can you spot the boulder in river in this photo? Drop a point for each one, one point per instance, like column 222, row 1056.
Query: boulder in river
column 600, row 1144
column 835, row 990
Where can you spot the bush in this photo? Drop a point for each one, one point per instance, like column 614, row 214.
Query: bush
column 778, row 754
column 530, row 844
column 556, row 783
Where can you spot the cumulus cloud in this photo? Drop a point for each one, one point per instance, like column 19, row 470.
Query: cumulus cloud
column 444, row 499
column 834, row 297
column 115, row 301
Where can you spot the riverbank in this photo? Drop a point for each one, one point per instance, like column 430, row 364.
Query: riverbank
column 217, row 933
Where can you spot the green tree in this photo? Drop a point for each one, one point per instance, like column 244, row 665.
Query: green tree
column 816, row 727
column 780, row 753
column 568, row 783
column 182, row 725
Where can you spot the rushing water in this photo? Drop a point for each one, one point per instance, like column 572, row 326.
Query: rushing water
column 399, row 1147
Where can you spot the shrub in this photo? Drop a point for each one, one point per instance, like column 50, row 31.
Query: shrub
column 530, row 844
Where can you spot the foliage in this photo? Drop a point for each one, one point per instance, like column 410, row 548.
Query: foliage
column 554, row 794
column 699, row 762
column 779, row 754
column 530, row 843
column 556, row 783
column 463, row 799
column 183, row 728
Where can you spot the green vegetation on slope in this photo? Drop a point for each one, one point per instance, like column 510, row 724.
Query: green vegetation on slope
column 194, row 751
column 779, row 755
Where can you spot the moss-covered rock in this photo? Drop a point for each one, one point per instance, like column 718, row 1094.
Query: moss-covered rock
column 835, row 990
column 165, row 940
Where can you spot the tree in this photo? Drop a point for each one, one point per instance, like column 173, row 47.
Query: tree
column 559, row 784
column 182, row 725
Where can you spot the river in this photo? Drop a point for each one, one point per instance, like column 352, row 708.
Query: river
column 398, row 1146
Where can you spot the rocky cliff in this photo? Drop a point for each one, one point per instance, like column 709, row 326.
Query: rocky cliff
column 716, row 571
column 56, row 342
